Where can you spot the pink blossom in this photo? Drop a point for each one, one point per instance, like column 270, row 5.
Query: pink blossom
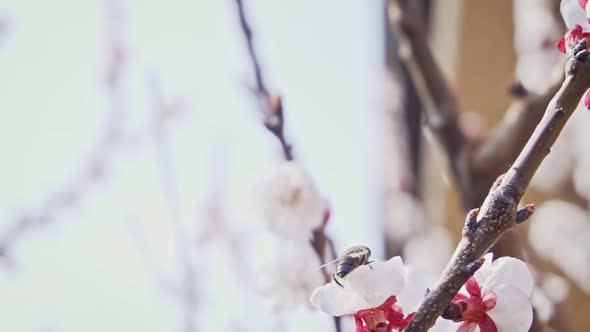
column 572, row 38
column 576, row 14
column 495, row 299
column 383, row 318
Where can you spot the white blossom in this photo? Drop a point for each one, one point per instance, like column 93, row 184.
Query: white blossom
column 372, row 287
column 498, row 295
column 573, row 14
column 536, row 31
column 288, row 202
column 365, row 287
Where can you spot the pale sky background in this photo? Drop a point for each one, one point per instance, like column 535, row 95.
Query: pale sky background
column 88, row 271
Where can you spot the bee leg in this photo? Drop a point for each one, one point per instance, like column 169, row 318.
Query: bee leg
column 369, row 263
column 336, row 281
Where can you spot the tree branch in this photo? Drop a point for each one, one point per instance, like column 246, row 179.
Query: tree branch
column 440, row 103
column 498, row 212
column 473, row 164
column 272, row 106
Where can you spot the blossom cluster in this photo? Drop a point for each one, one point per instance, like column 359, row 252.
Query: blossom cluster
column 289, row 207
column 383, row 296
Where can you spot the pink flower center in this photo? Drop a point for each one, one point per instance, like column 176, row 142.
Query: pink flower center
column 472, row 309
column 572, row 38
column 384, row 318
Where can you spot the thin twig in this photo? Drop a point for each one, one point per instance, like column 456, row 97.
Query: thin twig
column 272, row 107
column 498, row 213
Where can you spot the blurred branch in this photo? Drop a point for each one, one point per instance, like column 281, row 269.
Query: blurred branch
column 110, row 137
column 169, row 184
column 273, row 119
column 498, row 213
column 272, row 105
column 440, row 104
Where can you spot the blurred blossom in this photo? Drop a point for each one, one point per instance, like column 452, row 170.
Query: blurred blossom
column 556, row 287
column 553, row 290
column 580, row 145
column 544, row 307
column 569, row 158
column 496, row 298
column 430, row 249
column 406, row 216
column 557, row 167
column 290, row 275
column 536, row 31
column 287, row 208
column 559, row 233
column 288, row 203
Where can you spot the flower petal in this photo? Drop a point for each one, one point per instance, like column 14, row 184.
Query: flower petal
column 473, row 287
column 443, row 325
column 377, row 282
column 574, row 14
column 489, row 300
column 483, row 273
column 561, row 45
column 417, row 280
column 513, row 311
column 508, row 271
column 587, row 99
column 467, row 327
column 337, row 301
column 487, row 324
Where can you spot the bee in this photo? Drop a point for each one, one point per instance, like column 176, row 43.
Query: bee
column 351, row 259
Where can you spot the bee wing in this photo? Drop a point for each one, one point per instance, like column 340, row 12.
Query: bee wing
column 328, row 263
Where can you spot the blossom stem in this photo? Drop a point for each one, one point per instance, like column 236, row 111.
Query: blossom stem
column 499, row 210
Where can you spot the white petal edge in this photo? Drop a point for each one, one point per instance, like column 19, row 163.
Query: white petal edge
column 574, row 14
column 378, row 281
column 443, row 325
column 337, row 301
column 485, row 270
column 513, row 311
column 509, row 271
column 417, row 280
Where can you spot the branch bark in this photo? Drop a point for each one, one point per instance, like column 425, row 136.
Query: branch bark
column 498, row 213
